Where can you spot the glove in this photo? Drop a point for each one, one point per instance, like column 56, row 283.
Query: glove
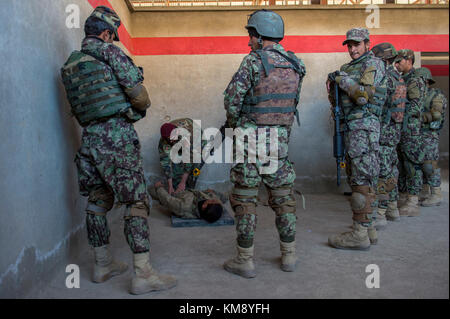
column 336, row 76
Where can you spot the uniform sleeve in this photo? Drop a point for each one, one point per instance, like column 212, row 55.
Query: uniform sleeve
column 164, row 159
column 127, row 73
column 236, row 90
column 372, row 77
column 416, row 90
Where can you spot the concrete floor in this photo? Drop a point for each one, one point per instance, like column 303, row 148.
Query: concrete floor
column 412, row 255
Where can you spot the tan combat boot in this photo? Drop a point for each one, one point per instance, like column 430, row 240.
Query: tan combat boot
column 402, row 198
column 380, row 220
column 392, row 213
column 242, row 264
column 435, row 199
column 105, row 267
column 411, row 207
column 425, row 192
column 372, row 233
column 357, row 239
column 288, row 258
column 146, row 278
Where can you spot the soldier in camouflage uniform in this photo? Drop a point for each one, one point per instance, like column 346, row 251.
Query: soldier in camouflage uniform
column 262, row 95
column 191, row 204
column 363, row 86
column 104, row 88
column 435, row 105
column 412, row 144
column 184, row 174
column 391, row 126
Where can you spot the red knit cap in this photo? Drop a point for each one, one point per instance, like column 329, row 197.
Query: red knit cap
column 166, row 129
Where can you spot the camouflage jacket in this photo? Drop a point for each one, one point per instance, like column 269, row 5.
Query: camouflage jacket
column 127, row 73
column 416, row 92
column 247, row 77
column 169, row 167
column 435, row 106
column 366, row 74
column 185, row 204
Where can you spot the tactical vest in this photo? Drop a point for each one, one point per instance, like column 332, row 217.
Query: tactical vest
column 273, row 100
column 396, row 97
column 376, row 102
column 428, row 104
column 92, row 90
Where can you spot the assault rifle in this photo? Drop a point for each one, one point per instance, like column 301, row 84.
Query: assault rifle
column 338, row 138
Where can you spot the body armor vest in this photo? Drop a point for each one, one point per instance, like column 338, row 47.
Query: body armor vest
column 428, row 106
column 274, row 99
column 396, row 97
column 92, row 90
column 376, row 102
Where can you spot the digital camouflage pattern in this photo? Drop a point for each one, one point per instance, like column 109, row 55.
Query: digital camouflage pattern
column 384, row 51
column 247, row 175
column 362, row 121
column 247, row 77
column 175, row 171
column 127, row 73
column 356, row 34
column 438, row 105
column 109, row 157
column 390, row 136
column 109, row 16
column 412, row 144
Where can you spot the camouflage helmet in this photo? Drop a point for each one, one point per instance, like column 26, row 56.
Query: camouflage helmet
column 425, row 73
column 107, row 15
column 384, row 51
column 267, row 23
column 356, row 34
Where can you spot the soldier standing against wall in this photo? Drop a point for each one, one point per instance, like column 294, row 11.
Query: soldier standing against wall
column 263, row 94
column 363, row 82
column 435, row 105
column 105, row 90
column 412, row 144
column 391, row 129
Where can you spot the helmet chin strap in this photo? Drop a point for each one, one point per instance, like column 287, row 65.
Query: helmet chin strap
column 260, row 42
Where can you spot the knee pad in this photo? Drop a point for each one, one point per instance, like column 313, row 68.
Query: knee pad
column 239, row 200
column 286, row 204
column 361, row 203
column 137, row 209
column 100, row 201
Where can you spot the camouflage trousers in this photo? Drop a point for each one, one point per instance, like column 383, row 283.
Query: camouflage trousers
column 362, row 160
column 362, row 153
column 248, row 175
column 109, row 167
column 178, row 171
column 431, row 171
column 389, row 139
column 412, row 156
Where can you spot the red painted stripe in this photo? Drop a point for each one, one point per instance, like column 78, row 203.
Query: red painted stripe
column 438, row 69
column 298, row 44
column 238, row 44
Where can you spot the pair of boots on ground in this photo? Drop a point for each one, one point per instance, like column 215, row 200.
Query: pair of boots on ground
column 428, row 197
column 244, row 266
column 146, row 278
